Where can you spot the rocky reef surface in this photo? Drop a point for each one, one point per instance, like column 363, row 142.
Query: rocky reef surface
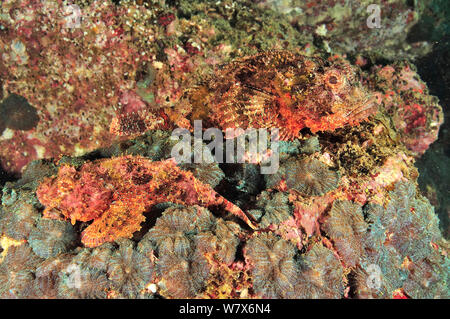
column 74, row 75
column 315, row 229
column 100, row 208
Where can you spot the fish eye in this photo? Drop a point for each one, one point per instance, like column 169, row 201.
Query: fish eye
column 298, row 88
column 332, row 80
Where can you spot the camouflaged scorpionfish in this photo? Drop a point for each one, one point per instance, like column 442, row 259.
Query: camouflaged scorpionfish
column 280, row 89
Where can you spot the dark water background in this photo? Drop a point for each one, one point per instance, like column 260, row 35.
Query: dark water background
column 434, row 69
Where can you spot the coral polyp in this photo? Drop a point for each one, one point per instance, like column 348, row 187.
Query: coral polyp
column 273, row 267
column 308, row 176
column 346, row 227
column 275, row 208
column 18, row 216
column 171, row 231
column 129, row 270
column 51, row 237
column 183, row 277
column 321, row 274
column 78, row 283
column 17, row 272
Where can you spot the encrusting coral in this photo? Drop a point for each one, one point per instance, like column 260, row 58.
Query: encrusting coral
column 278, row 273
column 48, row 276
column 428, row 278
column 187, row 239
column 52, row 237
column 17, row 272
column 379, row 275
column 208, row 173
column 129, row 270
column 273, row 267
column 321, row 274
column 95, row 258
column 410, row 222
column 221, row 242
column 78, row 282
column 385, row 244
column 137, row 57
column 328, row 246
column 173, row 231
column 308, row 176
column 402, row 242
column 19, row 213
column 346, row 227
column 415, row 113
column 183, row 277
column 275, row 208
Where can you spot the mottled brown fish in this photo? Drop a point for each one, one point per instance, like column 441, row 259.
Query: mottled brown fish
column 280, row 89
